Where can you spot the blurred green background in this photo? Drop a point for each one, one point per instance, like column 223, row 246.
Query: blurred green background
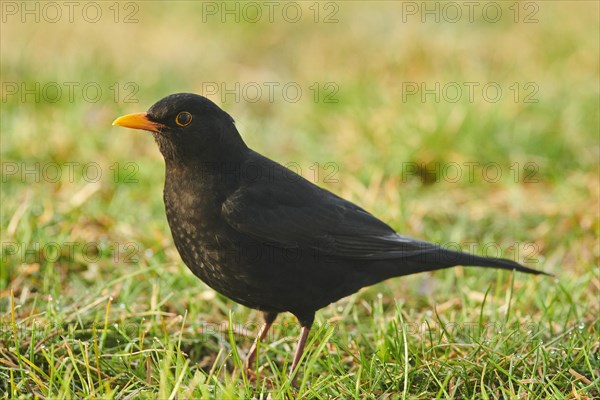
column 381, row 102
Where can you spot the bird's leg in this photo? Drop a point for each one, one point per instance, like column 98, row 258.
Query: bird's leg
column 269, row 319
column 299, row 349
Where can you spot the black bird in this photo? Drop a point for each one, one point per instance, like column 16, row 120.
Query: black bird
column 264, row 236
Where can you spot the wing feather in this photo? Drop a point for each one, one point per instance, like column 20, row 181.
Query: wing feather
column 297, row 213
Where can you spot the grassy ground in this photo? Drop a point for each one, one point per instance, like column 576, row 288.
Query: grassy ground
column 95, row 301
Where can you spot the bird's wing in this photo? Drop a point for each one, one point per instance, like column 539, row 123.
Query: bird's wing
column 285, row 210
column 296, row 213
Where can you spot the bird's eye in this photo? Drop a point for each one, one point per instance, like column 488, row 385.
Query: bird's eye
column 183, row 118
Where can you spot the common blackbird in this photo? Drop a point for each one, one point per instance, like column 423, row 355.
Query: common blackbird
column 264, row 236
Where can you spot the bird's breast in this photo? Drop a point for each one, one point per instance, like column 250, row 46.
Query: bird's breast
column 201, row 237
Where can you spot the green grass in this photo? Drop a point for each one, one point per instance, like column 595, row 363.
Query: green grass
column 96, row 303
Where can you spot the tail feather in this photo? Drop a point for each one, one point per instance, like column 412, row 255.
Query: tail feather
column 443, row 258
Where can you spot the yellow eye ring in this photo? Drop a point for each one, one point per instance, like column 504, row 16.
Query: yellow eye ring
column 184, row 118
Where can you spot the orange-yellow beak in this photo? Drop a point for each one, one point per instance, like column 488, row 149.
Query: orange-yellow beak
column 138, row 121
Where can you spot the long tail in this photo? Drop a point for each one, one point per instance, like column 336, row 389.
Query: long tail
column 440, row 258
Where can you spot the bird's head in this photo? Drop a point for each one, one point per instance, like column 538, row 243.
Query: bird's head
column 188, row 126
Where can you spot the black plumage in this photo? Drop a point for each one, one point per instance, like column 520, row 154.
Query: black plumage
column 264, row 236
